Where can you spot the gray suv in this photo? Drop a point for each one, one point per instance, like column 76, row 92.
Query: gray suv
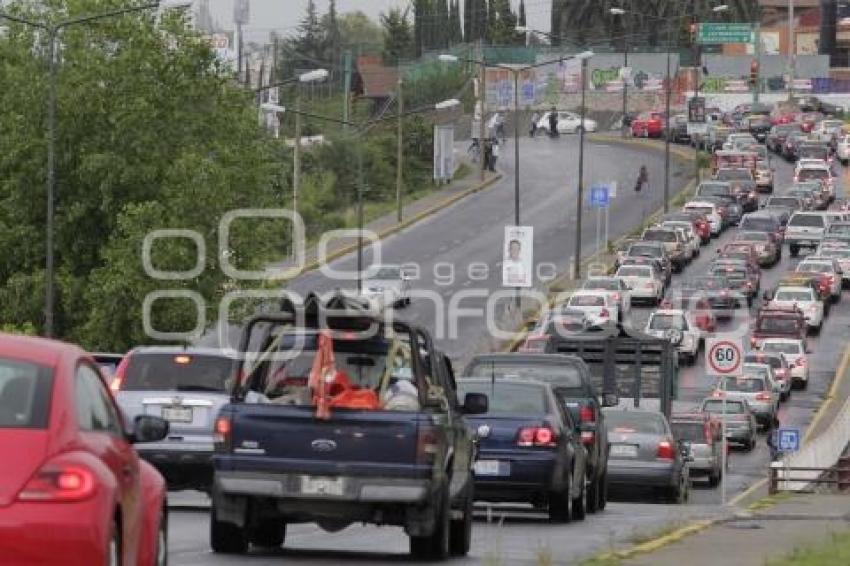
column 187, row 387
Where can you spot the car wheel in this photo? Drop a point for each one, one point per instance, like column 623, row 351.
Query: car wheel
column 603, row 491
column 269, row 534
column 580, row 502
column 436, row 546
column 714, row 478
column 161, row 553
column 561, row 504
column 794, row 250
column 460, row 530
column 114, row 549
column 226, row 537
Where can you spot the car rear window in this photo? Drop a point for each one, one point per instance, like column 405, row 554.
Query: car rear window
column 691, row 432
column 177, row 372
column 804, row 296
column 781, row 324
column 667, row 321
column 807, row 152
column 627, row 271
column 807, row 174
column 734, row 175
column 772, row 361
column 635, row 422
column 717, row 406
column 587, row 301
column 783, row 201
column 754, row 236
column 606, row 284
column 701, row 209
column 807, row 220
column 563, row 375
column 659, row 236
column 651, row 251
column 743, row 384
column 814, row 267
column 758, row 224
column 24, row 394
column 714, row 190
column 508, row 398
column 783, row 347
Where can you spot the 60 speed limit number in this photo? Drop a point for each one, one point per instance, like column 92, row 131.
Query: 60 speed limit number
column 723, row 356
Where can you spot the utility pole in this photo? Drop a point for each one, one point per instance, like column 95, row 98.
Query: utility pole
column 667, row 123
column 399, row 175
column 296, row 154
column 346, row 100
column 580, row 195
column 791, row 51
column 482, row 97
column 49, row 296
column 757, row 52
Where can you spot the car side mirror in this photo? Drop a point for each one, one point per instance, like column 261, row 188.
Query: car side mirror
column 147, row 428
column 610, row 400
column 475, row 404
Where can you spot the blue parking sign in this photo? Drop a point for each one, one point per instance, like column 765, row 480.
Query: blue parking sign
column 788, row 439
column 599, row 196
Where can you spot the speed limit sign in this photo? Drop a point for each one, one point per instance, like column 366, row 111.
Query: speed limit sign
column 723, row 356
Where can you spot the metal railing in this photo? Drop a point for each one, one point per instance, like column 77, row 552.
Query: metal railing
column 783, row 478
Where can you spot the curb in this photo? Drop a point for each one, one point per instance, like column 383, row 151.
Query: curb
column 404, row 224
column 768, row 501
column 676, row 149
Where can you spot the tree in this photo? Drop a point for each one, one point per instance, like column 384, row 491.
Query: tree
column 310, row 41
column 456, row 34
column 491, row 20
column 468, row 27
column 398, row 37
column 522, row 13
column 330, row 25
column 152, row 134
column 421, row 10
column 357, row 30
column 442, row 29
column 502, row 23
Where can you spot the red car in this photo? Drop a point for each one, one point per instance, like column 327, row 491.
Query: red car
column 72, row 488
column 648, row 125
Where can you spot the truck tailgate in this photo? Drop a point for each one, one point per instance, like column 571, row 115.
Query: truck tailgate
column 275, row 438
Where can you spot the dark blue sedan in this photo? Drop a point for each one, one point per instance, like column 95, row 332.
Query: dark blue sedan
column 530, row 450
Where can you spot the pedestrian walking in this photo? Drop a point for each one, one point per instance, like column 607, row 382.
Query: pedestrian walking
column 494, row 154
column 553, row 122
column 488, row 154
column 535, row 117
column 643, row 179
column 500, row 127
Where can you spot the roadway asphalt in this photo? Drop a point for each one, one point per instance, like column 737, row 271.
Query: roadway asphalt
column 472, row 231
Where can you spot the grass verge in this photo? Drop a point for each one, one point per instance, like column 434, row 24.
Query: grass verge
column 834, row 551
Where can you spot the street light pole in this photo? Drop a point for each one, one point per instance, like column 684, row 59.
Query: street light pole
column 667, row 122
column 516, row 147
column 580, row 195
column 399, row 178
column 296, row 157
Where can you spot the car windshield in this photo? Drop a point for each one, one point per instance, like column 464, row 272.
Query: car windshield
column 807, row 220
column 758, row 369
column 734, row 175
column 587, row 301
column 783, row 201
column 507, row 398
column 689, row 432
column 793, row 348
column 809, row 152
column 633, row 271
column 794, row 296
column 177, row 371
column 25, row 391
column 667, row 321
column 839, row 229
column 839, row 253
column 564, row 375
column 806, row 174
column 635, row 422
column 743, row 384
column 772, row 361
column 718, row 406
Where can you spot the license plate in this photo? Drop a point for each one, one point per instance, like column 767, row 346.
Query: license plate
column 177, row 414
column 322, row 486
column 624, row 451
column 492, row 468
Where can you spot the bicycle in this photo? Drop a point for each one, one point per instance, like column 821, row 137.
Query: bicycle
column 474, row 151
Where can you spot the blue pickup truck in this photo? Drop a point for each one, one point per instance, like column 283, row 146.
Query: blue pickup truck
column 380, row 438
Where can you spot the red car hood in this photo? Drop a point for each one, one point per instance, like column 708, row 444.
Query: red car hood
column 22, row 452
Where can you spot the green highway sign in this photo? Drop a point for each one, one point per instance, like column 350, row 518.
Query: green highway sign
column 725, row 33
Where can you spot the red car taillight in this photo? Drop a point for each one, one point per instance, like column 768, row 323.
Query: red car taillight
column 763, row 396
column 666, row 450
column 223, row 433
column 604, row 313
column 60, row 482
column 538, row 436
column 587, row 416
column 426, row 446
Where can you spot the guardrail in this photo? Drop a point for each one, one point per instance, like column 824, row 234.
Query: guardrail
column 816, row 456
column 781, row 476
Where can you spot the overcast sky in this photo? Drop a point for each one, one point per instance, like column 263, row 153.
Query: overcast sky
column 284, row 15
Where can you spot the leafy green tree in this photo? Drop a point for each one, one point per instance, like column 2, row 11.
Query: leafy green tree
column 331, row 32
column 521, row 14
column 358, row 31
column 398, row 39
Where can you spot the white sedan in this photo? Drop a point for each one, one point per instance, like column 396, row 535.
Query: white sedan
column 796, row 354
column 804, row 299
column 598, row 306
column 676, row 325
column 642, row 282
column 617, row 288
column 842, row 151
column 568, row 123
column 388, row 285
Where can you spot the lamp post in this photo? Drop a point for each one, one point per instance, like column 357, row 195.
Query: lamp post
column 52, row 30
column 622, row 12
column 361, row 129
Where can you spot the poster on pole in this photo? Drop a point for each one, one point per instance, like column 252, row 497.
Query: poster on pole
column 518, row 256
column 444, row 155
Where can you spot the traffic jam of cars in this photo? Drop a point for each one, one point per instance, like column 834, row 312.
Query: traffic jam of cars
column 313, row 421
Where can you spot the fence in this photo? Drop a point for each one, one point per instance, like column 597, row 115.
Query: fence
column 816, row 456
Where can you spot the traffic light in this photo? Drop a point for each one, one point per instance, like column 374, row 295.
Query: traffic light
column 754, row 74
